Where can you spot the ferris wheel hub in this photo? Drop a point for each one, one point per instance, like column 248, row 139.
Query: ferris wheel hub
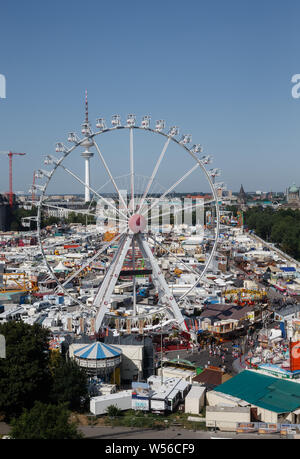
column 137, row 223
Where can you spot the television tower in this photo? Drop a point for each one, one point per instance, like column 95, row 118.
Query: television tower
column 87, row 154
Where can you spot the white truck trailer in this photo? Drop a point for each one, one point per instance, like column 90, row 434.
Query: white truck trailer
column 122, row 400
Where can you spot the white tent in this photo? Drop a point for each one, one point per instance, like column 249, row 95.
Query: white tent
column 61, row 268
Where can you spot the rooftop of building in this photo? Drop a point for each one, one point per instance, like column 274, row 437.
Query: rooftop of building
column 266, row 392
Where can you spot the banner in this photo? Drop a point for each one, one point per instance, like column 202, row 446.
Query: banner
column 82, row 324
column 295, row 356
column 69, row 324
column 93, row 326
column 141, row 326
column 140, row 390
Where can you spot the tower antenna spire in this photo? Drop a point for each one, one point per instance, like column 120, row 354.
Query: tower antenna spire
column 86, row 107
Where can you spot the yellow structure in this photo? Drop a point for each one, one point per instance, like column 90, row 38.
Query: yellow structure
column 115, row 377
column 17, row 283
column 108, row 236
column 244, row 293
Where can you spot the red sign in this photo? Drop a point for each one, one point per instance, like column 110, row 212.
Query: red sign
column 295, row 356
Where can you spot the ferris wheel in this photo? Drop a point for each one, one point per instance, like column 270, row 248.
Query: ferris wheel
column 133, row 214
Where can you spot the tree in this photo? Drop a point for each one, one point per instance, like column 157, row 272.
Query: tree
column 279, row 226
column 24, row 373
column 30, row 373
column 69, row 383
column 44, row 421
column 75, row 217
column 16, row 215
column 113, row 411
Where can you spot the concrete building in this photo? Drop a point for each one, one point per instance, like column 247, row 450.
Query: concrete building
column 293, row 194
column 272, row 400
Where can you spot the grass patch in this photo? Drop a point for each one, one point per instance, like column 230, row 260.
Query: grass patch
column 140, row 419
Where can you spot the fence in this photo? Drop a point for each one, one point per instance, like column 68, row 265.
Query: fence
column 261, row 428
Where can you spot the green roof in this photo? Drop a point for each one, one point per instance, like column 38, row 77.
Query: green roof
column 266, row 392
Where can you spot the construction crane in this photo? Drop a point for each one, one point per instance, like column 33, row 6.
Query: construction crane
column 10, row 156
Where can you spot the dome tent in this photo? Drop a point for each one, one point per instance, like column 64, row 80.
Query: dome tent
column 97, row 351
column 98, row 358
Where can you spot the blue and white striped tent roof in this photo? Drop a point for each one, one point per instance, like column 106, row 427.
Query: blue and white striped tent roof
column 97, row 351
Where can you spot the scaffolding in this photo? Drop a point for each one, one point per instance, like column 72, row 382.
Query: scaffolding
column 17, row 283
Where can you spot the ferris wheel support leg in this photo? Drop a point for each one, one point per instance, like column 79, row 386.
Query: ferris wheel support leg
column 168, row 297
column 154, row 277
column 134, row 278
column 106, row 289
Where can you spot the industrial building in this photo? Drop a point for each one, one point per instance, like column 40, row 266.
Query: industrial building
column 271, row 399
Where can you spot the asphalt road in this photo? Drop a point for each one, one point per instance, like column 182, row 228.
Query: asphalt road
column 119, row 433
column 202, row 357
column 128, row 433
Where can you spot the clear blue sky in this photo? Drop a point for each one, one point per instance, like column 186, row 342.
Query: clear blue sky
column 220, row 70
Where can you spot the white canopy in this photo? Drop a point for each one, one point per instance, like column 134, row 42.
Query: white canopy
column 61, row 267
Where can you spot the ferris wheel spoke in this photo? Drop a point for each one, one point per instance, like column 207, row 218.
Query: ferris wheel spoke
column 93, row 258
column 212, row 254
column 58, row 244
column 68, row 210
column 199, row 275
column 107, row 214
column 92, row 190
column 184, row 208
column 160, row 198
column 154, row 174
column 83, row 212
column 173, row 254
column 70, row 239
column 131, row 168
column 110, row 174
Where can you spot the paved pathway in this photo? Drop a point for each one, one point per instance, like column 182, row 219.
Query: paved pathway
column 119, row 433
column 116, row 433
column 202, row 357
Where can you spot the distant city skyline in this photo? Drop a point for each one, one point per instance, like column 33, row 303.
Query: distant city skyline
column 221, row 71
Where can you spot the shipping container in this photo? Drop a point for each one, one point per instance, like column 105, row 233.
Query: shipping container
column 122, row 400
column 195, row 400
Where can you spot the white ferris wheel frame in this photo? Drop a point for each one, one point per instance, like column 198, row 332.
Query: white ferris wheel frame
column 126, row 237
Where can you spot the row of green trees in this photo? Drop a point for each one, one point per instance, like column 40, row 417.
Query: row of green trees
column 281, row 227
column 36, row 383
column 18, row 213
